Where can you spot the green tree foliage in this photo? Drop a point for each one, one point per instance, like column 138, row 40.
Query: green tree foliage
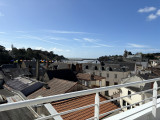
column 150, row 56
column 29, row 54
column 26, row 54
column 4, row 56
column 111, row 58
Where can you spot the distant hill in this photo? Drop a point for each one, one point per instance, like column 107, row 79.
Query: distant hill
column 26, row 54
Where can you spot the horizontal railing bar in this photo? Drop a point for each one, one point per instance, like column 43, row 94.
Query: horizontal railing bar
column 47, row 99
column 158, row 95
column 125, row 96
column 123, row 107
column 65, row 112
column 92, row 118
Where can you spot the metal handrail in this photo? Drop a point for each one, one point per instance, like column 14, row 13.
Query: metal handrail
column 42, row 100
column 125, row 96
column 65, row 112
column 47, row 99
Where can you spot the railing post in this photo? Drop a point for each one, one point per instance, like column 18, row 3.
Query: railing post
column 154, row 106
column 96, row 110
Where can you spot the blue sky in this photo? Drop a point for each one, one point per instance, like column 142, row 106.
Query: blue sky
column 81, row 28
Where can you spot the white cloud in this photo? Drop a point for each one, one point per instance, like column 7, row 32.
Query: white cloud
column 56, row 38
column 146, row 9
column 59, row 50
column 89, row 40
column 103, row 45
column 1, row 14
column 66, row 32
column 2, row 32
column 38, row 38
column 94, row 42
column 20, row 31
column 76, row 39
column 8, row 49
column 146, row 50
column 91, row 46
column 152, row 17
column 136, row 45
column 158, row 12
column 86, row 40
column 52, row 49
column 150, row 9
column 40, row 48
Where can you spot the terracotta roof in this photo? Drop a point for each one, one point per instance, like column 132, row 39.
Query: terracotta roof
column 86, row 76
column 57, row 86
column 83, row 114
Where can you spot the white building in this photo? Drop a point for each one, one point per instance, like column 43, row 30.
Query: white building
column 133, row 89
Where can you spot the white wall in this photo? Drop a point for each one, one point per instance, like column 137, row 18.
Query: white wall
column 111, row 79
column 131, row 100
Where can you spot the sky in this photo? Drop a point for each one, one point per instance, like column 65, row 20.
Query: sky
column 81, row 28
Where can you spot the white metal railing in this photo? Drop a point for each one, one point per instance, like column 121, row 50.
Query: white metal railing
column 42, row 100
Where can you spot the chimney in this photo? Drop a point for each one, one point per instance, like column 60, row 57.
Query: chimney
column 47, row 65
column 37, row 69
column 46, row 86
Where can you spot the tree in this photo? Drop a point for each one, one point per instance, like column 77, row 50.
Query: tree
column 5, row 58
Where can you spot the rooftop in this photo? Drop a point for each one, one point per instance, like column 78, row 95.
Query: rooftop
column 77, row 102
column 68, row 105
column 24, row 85
column 16, row 114
column 86, row 76
column 65, row 74
column 57, row 86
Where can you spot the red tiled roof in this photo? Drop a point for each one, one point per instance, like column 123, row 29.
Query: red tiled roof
column 86, row 76
column 80, row 102
column 57, row 86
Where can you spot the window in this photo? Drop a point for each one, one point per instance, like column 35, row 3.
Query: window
column 106, row 93
column 83, row 82
column 107, row 75
column 129, row 93
column 103, row 68
column 107, row 83
column 86, row 84
column 115, row 83
column 152, row 85
column 115, row 75
column 87, row 67
column 129, row 107
column 100, row 83
column 55, row 67
column 100, row 74
column 124, row 103
column 96, row 68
